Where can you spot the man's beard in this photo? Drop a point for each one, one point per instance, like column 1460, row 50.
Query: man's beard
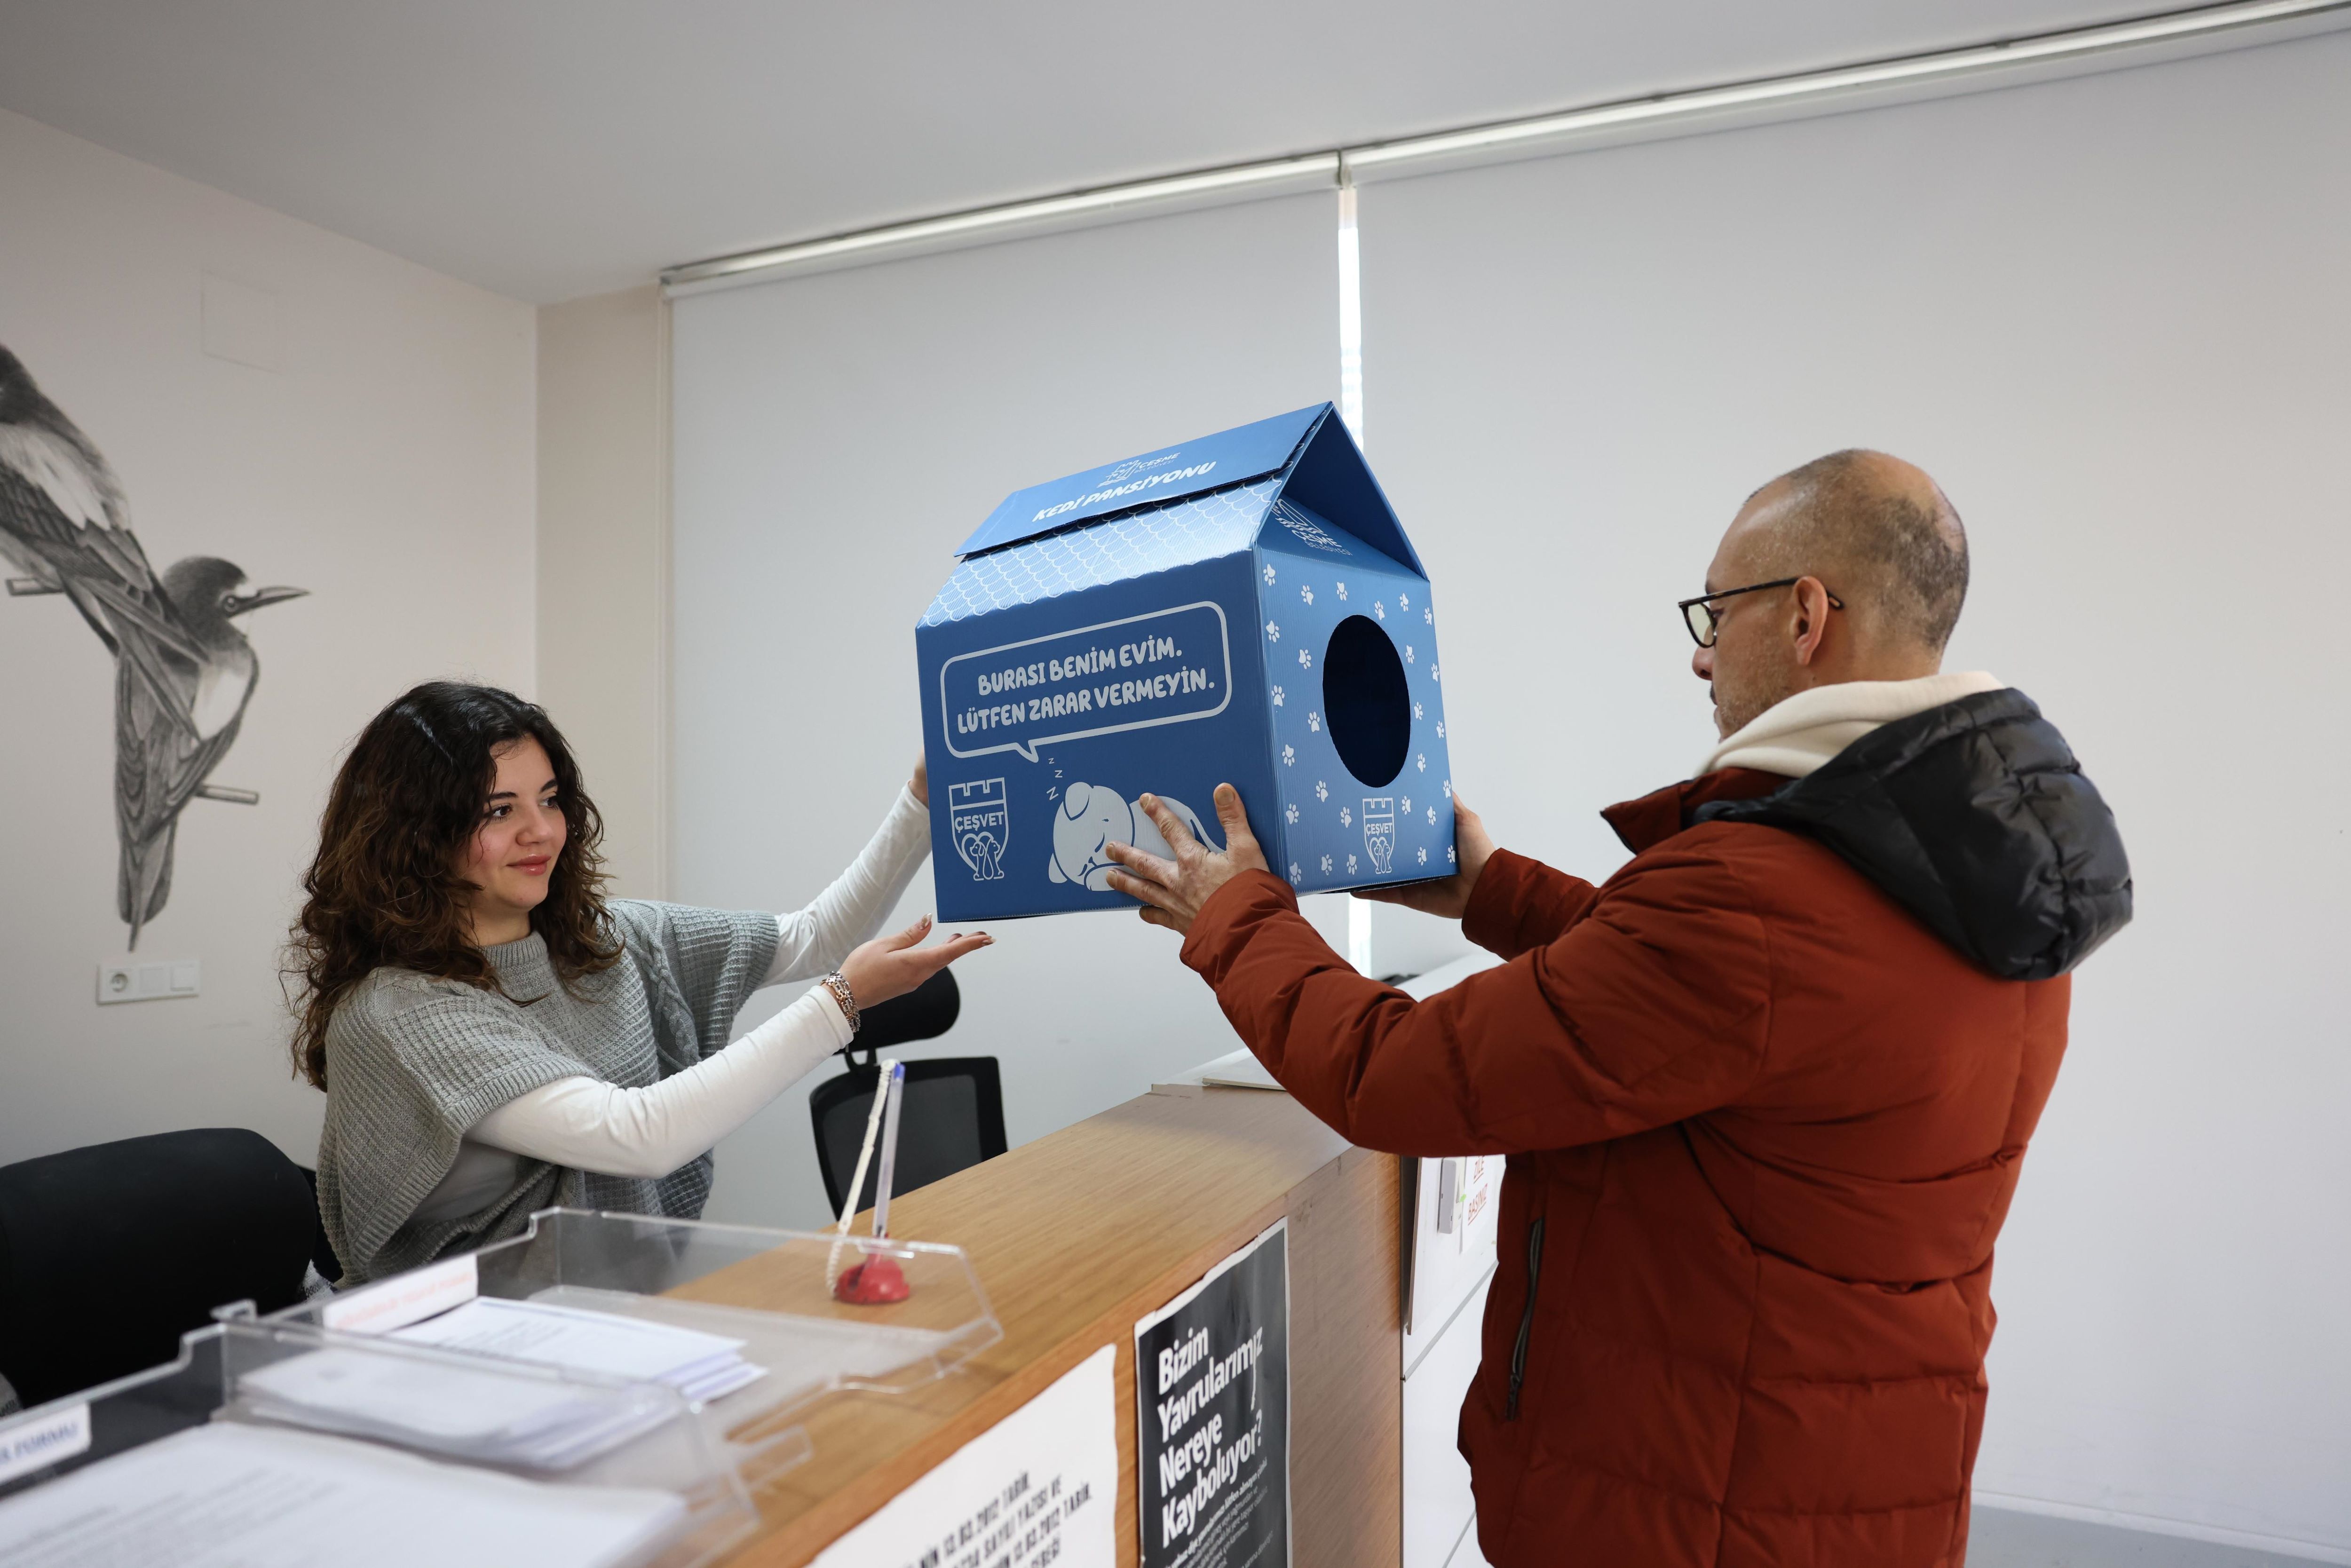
column 1735, row 710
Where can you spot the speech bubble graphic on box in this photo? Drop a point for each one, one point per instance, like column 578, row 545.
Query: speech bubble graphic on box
column 1166, row 666
column 1243, row 609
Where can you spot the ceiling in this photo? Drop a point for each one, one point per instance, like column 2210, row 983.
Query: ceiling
column 547, row 149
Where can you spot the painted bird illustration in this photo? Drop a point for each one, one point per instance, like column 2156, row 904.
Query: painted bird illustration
column 183, row 671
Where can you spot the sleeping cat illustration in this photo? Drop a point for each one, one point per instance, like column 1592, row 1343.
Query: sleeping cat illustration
column 1093, row 815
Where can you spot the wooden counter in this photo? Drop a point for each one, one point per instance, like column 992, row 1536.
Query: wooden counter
column 1080, row 1233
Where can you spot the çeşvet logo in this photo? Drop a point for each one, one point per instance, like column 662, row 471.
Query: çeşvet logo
column 1379, row 831
column 979, row 816
column 1133, row 465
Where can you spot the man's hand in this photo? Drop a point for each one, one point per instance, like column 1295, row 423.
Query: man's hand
column 921, row 782
column 1173, row 891
column 1472, row 847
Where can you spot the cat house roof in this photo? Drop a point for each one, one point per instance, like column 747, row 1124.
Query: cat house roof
column 1174, row 507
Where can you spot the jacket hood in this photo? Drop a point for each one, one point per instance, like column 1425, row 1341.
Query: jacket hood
column 1974, row 817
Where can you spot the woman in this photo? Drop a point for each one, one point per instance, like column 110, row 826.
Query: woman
column 493, row 1036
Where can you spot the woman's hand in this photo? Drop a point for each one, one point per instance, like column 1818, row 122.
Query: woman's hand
column 890, row 967
column 920, row 784
column 1173, row 891
column 1447, row 896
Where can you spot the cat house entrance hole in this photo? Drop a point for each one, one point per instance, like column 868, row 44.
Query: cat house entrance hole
column 1365, row 702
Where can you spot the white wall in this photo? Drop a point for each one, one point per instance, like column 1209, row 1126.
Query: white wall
column 836, row 437
column 384, row 464
column 604, row 564
column 2110, row 315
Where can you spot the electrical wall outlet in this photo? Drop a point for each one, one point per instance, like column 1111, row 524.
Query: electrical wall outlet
column 148, row 980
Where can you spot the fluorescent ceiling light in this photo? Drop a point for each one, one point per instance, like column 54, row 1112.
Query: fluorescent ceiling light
column 1107, row 204
column 1975, row 68
column 1526, row 137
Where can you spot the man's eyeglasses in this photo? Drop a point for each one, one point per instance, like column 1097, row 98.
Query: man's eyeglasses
column 1698, row 614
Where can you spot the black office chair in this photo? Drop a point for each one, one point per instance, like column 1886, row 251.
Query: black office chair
column 952, row 1114
column 322, row 1251
column 107, row 1254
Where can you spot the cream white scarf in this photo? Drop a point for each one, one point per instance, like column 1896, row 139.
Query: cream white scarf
column 1800, row 733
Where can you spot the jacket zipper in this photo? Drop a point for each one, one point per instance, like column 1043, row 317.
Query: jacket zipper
column 1526, row 1319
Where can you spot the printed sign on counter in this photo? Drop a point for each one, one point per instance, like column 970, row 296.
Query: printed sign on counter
column 36, row 1444
column 1212, row 1405
column 1037, row 1487
column 405, row 1298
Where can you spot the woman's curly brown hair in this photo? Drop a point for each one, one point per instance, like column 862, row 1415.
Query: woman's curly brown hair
column 385, row 889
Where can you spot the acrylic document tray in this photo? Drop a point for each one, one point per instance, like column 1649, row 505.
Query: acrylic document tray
column 768, row 1292
column 269, row 1444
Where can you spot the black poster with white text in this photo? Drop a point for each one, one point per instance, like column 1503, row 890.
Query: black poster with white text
column 1212, row 1401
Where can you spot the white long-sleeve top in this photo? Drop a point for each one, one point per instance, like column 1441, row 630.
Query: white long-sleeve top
column 589, row 1124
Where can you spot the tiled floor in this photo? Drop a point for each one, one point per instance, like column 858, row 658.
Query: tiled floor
column 2001, row 1539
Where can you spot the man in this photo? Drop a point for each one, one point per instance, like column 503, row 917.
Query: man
column 1764, row 1092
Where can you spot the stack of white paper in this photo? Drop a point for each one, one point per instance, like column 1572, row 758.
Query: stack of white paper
column 499, row 1417
column 229, row 1495
column 699, row 1366
column 1242, row 1070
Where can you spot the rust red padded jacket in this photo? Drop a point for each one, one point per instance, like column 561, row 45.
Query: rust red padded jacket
column 1762, row 1125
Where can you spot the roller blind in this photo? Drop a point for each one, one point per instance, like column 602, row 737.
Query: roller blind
column 2109, row 316
column 836, row 436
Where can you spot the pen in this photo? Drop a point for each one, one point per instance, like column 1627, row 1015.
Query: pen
column 896, row 1092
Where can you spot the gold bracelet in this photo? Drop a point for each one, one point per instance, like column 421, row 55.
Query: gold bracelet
column 838, row 984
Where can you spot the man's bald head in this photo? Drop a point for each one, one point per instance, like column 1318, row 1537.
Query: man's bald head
column 1876, row 529
column 1875, row 565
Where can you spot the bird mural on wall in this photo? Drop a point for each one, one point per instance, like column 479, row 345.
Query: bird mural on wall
column 183, row 671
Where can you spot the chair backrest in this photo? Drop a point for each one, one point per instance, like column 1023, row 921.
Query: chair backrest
column 109, row 1253
column 322, row 1250
column 926, row 1012
column 951, row 1117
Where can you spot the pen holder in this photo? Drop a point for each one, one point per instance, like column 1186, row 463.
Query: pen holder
column 874, row 1281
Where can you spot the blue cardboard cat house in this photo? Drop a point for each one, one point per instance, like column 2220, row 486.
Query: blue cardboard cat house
column 1243, row 609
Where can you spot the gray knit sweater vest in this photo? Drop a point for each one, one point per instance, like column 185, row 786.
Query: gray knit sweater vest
column 413, row 1062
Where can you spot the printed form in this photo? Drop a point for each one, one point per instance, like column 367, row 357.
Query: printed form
column 699, row 1366
column 229, row 1495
